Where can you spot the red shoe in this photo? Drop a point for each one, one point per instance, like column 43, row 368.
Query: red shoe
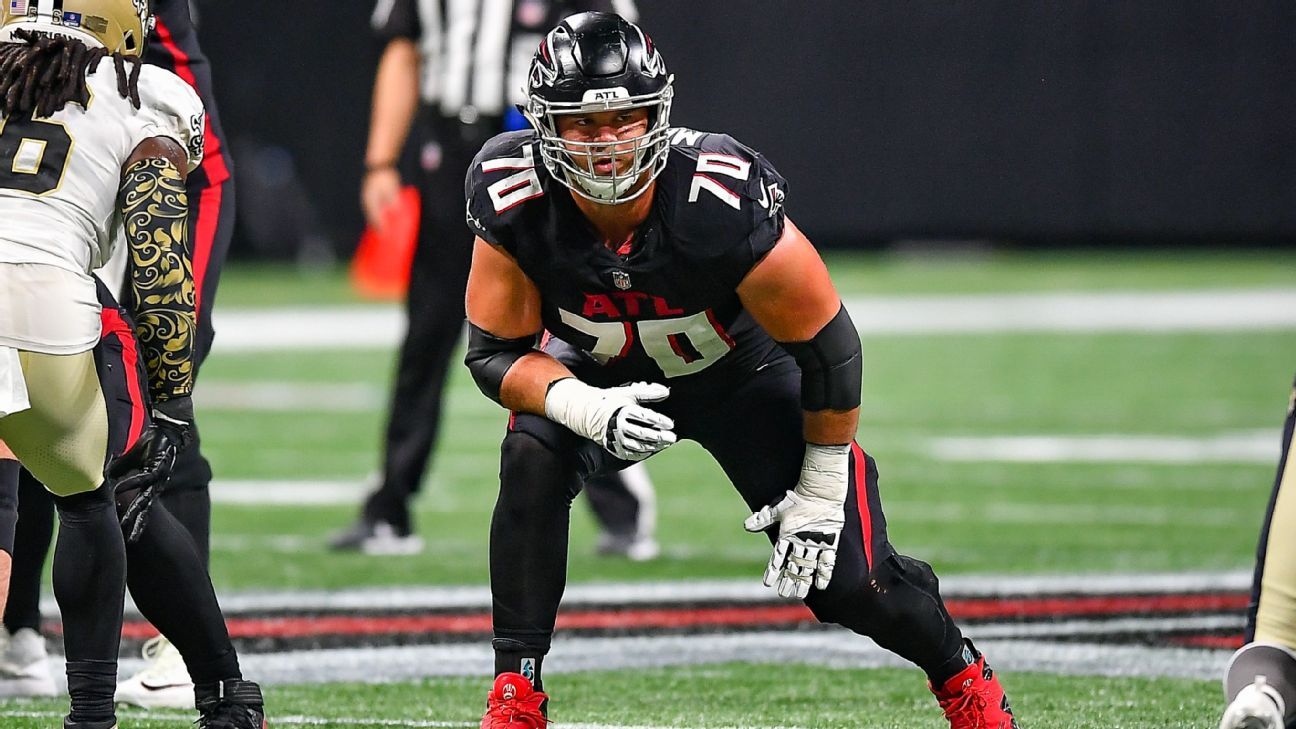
column 514, row 704
column 973, row 699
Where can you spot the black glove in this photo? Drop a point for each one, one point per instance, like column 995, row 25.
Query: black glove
column 140, row 474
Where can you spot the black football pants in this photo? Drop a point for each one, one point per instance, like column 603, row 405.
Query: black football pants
column 754, row 431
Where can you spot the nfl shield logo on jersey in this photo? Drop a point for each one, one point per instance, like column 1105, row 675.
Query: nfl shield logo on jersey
column 621, row 279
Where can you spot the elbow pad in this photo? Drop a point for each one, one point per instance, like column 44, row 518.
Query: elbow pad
column 831, row 365
column 489, row 358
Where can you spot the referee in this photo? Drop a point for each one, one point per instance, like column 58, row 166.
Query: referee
column 24, row 663
column 459, row 68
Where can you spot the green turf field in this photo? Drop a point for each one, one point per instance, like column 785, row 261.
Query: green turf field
column 1008, row 517
column 1105, row 516
column 732, row 695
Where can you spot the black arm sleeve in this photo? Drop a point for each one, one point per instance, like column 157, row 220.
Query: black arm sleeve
column 831, row 365
column 489, row 358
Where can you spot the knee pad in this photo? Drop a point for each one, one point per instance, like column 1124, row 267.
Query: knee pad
column 898, row 569
column 533, row 472
column 81, row 506
column 523, row 448
column 899, row 589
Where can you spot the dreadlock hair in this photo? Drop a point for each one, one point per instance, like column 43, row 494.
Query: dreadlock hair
column 42, row 73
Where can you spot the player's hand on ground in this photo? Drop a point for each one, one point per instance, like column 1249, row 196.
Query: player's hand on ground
column 810, row 518
column 613, row 417
column 140, row 474
column 378, row 192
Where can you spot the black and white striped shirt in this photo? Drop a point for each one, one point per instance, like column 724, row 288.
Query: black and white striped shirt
column 476, row 53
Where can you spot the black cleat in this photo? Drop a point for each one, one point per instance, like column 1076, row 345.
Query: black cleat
column 232, row 704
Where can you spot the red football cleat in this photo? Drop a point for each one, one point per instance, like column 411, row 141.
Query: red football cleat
column 973, row 699
column 514, row 704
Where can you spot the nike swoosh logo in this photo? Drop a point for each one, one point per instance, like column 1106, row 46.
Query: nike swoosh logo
column 163, row 687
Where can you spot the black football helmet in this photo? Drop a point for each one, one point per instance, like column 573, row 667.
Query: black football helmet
column 594, row 62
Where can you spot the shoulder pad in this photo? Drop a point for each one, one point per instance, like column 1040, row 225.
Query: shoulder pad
column 725, row 199
column 169, row 107
column 504, row 175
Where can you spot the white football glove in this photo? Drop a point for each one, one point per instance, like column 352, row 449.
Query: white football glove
column 613, row 417
column 810, row 519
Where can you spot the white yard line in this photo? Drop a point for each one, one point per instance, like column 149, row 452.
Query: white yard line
column 1119, row 626
column 349, row 493
column 831, row 648
column 381, row 326
column 1068, row 514
column 287, row 396
column 326, row 328
column 289, row 493
column 1248, row 446
column 1114, row 311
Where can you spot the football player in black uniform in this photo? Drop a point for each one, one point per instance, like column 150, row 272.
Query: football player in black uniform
column 1260, row 681
column 662, row 257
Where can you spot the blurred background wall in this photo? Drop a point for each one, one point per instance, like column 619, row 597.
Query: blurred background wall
column 1118, row 122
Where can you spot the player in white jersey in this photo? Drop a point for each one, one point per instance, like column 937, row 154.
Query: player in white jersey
column 93, row 144
column 59, row 177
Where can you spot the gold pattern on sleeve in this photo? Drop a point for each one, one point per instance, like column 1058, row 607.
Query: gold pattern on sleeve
column 155, row 210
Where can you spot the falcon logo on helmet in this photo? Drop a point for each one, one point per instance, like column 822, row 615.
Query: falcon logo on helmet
column 590, row 63
column 543, row 72
column 121, row 26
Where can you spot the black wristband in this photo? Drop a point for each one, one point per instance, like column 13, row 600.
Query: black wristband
column 179, row 409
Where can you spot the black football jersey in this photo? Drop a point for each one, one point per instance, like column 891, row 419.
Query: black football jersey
column 666, row 308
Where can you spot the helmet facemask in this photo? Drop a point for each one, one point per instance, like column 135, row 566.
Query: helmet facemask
column 573, row 163
column 593, row 63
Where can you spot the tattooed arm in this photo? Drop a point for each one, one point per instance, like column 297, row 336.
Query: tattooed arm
column 160, row 294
